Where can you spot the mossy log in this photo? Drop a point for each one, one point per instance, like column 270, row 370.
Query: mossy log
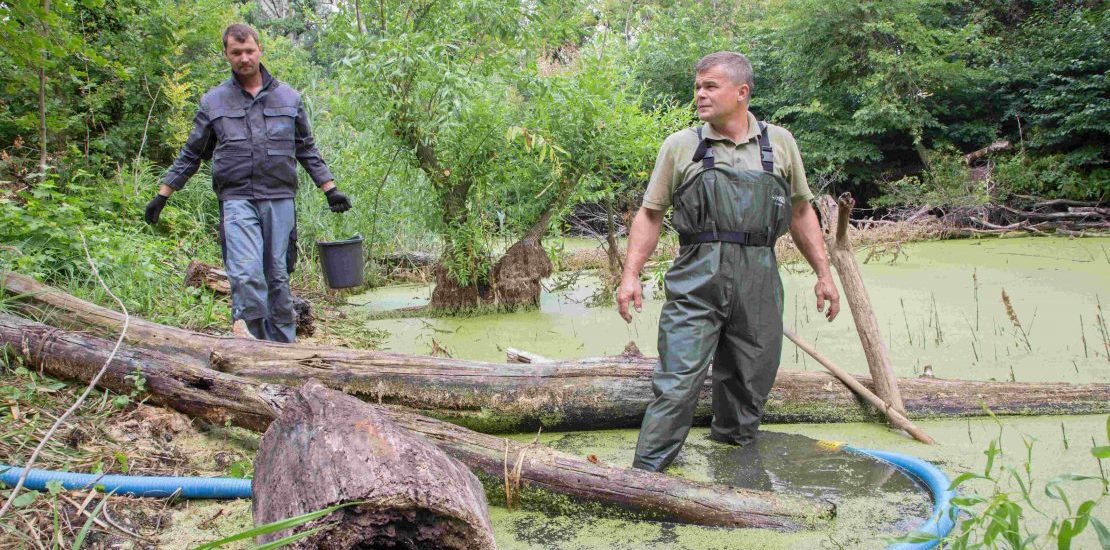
column 328, row 448
column 538, row 477
column 599, row 393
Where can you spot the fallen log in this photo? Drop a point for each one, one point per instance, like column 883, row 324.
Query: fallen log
column 181, row 385
column 202, row 275
column 327, row 448
column 1054, row 203
column 1000, row 145
column 537, row 475
column 407, row 260
column 589, row 394
column 1080, row 215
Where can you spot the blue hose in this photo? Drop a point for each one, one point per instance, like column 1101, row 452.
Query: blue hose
column 939, row 524
column 139, row 486
column 941, row 521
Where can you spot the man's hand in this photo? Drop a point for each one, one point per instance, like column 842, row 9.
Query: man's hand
column 629, row 290
column 338, row 202
column 154, row 208
column 826, row 290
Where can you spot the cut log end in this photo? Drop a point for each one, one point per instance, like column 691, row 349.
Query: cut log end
column 369, row 526
column 327, row 448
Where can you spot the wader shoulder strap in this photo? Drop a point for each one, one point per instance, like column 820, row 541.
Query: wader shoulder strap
column 766, row 153
column 704, row 152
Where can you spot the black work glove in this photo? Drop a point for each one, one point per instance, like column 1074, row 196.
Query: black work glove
column 338, row 202
column 154, row 208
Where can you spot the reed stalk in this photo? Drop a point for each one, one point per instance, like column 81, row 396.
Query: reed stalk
column 906, row 318
column 1016, row 322
column 1083, row 337
column 936, row 320
column 1101, row 320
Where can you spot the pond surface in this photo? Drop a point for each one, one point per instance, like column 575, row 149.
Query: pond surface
column 867, row 517
column 940, row 305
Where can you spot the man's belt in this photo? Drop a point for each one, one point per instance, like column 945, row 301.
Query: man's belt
column 746, row 238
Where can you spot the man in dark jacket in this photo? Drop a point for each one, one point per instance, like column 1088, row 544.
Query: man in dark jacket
column 255, row 129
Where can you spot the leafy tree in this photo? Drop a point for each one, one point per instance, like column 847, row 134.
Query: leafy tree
column 868, row 85
column 501, row 144
column 1055, row 92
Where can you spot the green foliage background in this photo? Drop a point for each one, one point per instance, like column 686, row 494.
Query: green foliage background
column 531, row 108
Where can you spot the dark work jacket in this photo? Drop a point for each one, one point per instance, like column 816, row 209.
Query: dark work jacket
column 254, row 142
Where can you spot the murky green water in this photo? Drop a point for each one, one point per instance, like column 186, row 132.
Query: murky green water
column 941, row 307
column 867, row 517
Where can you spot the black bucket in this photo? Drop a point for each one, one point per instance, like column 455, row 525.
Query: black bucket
column 342, row 262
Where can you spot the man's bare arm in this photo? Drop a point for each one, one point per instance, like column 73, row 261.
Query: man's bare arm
column 806, row 232
column 642, row 239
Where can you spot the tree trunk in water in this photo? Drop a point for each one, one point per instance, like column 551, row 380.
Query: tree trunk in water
column 518, row 273
column 514, row 279
column 843, row 257
column 585, row 394
column 543, row 472
column 328, row 448
column 450, row 296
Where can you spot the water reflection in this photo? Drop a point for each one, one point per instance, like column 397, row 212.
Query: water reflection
column 796, row 464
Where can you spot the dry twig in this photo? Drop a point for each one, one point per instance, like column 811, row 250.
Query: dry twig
column 88, row 389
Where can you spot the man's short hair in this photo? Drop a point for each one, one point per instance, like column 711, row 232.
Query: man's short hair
column 240, row 33
column 735, row 65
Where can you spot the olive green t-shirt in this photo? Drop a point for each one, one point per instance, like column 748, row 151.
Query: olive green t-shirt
column 675, row 161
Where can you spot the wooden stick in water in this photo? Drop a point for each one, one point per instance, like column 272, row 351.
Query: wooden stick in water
column 896, row 418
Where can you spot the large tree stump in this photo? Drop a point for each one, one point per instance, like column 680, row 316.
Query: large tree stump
column 329, row 448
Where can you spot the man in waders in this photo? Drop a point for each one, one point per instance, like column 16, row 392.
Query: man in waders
column 736, row 185
column 255, row 129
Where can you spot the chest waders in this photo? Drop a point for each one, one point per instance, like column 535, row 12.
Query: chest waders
column 724, row 302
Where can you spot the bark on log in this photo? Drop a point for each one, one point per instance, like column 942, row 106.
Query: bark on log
column 588, row 394
column 328, row 448
column 843, row 257
column 543, row 471
column 172, row 382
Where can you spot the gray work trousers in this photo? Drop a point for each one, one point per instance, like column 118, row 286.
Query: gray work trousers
column 256, row 242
